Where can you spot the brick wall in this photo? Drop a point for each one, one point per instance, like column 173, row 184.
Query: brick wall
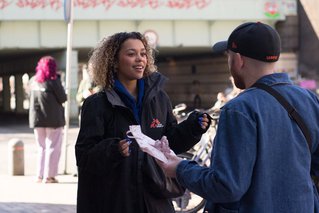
column 204, row 77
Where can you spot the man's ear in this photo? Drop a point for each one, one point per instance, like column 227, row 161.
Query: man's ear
column 239, row 60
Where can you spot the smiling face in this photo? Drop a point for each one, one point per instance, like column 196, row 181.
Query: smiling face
column 132, row 60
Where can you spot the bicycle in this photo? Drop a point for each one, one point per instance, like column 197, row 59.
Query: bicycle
column 201, row 152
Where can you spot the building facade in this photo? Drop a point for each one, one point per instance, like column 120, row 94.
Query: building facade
column 182, row 31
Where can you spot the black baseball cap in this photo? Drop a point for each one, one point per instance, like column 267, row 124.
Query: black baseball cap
column 254, row 40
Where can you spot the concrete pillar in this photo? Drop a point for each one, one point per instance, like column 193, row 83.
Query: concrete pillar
column 6, row 93
column 61, row 59
column 16, row 157
column 19, row 92
column 74, row 108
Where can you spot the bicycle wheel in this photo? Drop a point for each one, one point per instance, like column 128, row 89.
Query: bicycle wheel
column 189, row 202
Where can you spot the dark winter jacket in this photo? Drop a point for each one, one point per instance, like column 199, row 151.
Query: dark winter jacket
column 46, row 99
column 110, row 183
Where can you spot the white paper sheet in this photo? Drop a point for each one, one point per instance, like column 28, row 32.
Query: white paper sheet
column 146, row 143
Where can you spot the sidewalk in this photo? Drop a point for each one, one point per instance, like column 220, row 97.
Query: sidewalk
column 20, row 194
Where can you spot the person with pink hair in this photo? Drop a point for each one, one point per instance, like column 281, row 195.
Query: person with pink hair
column 46, row 116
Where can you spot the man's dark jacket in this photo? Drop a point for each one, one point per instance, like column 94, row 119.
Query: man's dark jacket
column 109, row 182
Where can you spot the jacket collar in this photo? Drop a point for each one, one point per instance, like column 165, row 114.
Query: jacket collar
column 129, row 100
column 275, row 78
column 153, row 83
column 114, row 98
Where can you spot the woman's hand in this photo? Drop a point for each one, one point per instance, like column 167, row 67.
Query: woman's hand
column 204, row 121
column 124, row 147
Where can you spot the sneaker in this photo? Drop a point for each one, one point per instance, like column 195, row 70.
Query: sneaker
column 51, row 180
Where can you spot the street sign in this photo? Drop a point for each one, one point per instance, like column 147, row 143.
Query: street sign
column 67, row 10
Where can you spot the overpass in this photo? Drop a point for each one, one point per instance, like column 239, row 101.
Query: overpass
column 182, row 30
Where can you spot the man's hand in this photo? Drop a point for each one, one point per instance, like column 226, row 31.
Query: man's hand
column 169, row 168
column 162, row 145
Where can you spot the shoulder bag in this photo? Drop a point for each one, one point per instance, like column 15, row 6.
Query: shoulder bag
column 158, row 183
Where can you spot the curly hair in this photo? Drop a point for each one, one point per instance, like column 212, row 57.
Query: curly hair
column 46, row 69
column 104, row 58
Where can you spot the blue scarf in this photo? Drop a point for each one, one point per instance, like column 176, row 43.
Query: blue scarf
column 129, row 100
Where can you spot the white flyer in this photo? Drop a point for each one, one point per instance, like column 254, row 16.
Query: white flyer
column 146, row 143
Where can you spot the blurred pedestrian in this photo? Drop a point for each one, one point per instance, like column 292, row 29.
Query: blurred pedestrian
column 261, row 161
column 114, row 174
column 220, row 102
column 196, row 91
column 86, row 88
column 46, row 116
column 233, row 91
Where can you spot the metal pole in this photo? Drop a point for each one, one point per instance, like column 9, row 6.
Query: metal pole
column 68, row 13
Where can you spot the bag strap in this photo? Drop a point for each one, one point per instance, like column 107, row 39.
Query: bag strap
column 290, row 109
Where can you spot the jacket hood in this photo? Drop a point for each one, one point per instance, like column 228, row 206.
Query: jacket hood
column 153, row 83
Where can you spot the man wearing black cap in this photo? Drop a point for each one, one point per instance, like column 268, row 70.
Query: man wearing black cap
column 262, row 160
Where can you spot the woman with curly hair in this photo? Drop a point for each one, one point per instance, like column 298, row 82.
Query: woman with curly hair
column 46, row 116
column 114, row 174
